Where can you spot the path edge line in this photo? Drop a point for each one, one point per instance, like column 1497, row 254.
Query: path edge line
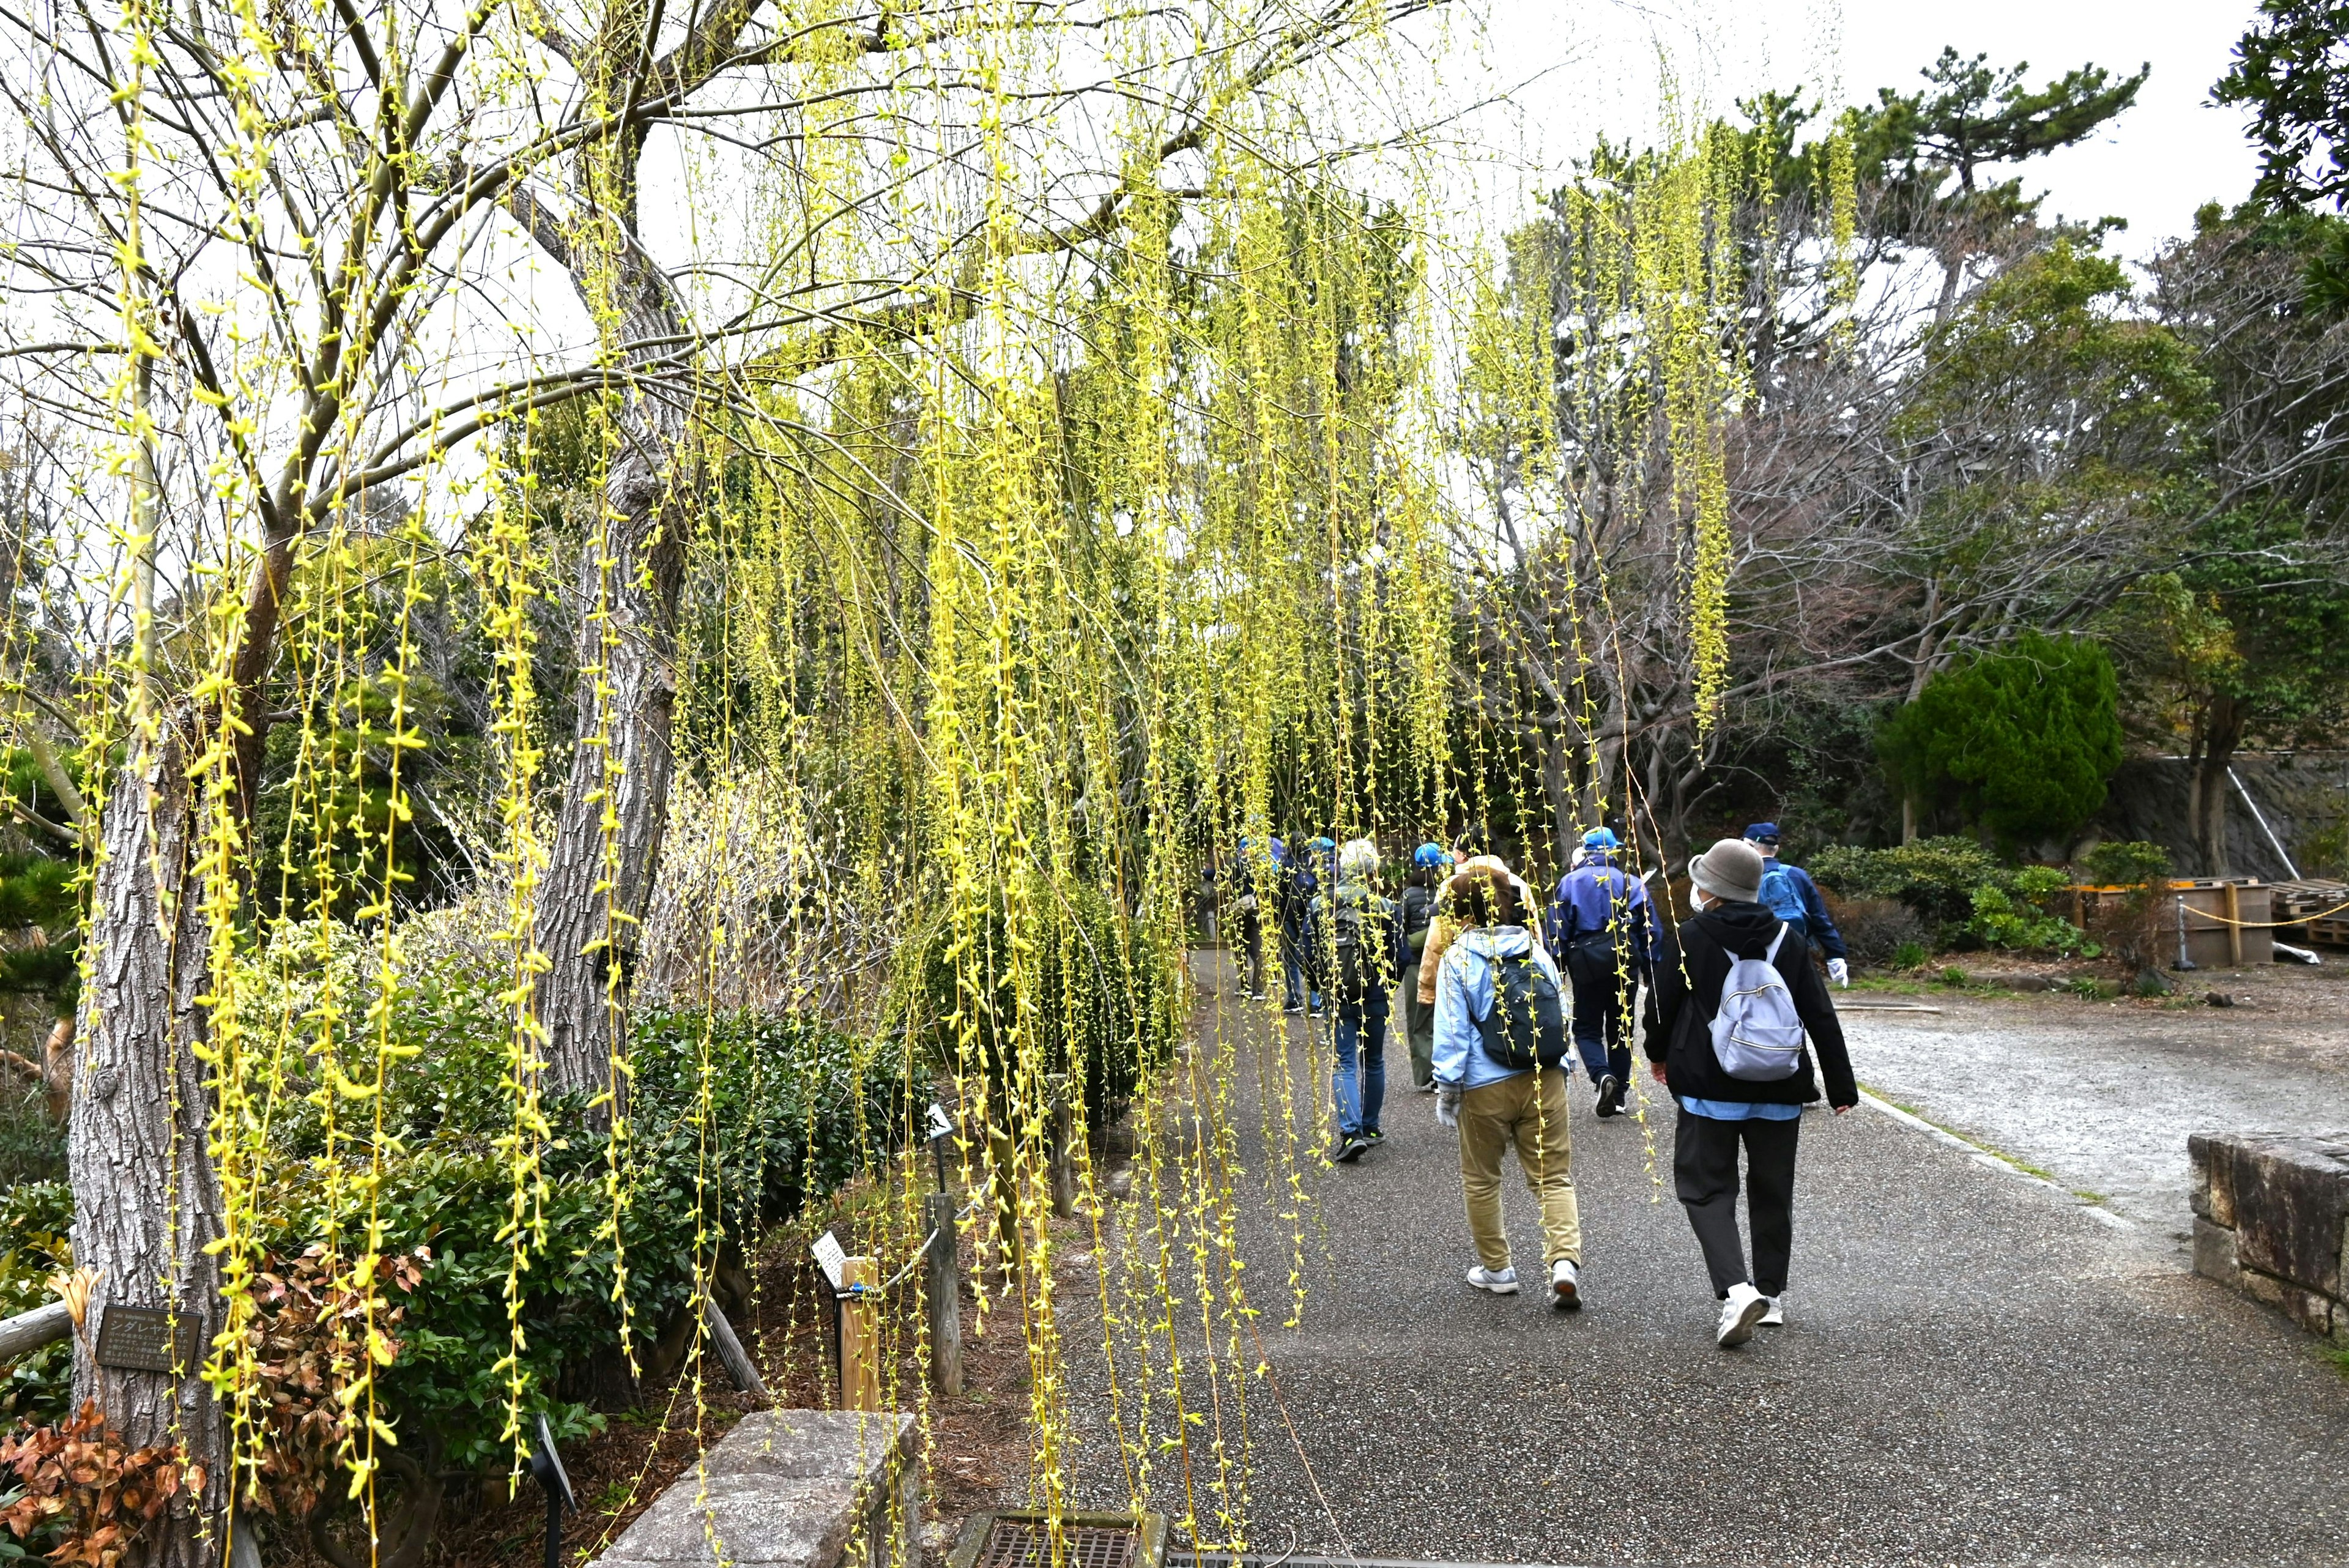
column 1992, row 1158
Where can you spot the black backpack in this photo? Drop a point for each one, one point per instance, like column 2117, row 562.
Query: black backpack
column 1525, row 1026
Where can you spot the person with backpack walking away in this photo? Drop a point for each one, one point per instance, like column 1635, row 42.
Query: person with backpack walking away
column 1475, row 850
column 1500, row 1045
column 1361, row 929
column 1247, row 916
column 1789, row 892
column 1416, row 919
column 1730, row 1007
column 1294, row 896
column 1602, row 929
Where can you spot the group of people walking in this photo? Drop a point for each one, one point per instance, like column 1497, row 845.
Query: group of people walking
column 1498, row 991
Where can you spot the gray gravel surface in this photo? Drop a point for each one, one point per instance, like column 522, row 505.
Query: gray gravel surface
column 1976, row 1372
column 2102, row 1095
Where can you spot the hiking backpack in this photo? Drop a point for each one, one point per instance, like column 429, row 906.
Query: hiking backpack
column 1784, row 899
column 1525, row 1026
column 1757, row 1035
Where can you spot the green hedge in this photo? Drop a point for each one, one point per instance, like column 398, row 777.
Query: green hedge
column 791, row 1109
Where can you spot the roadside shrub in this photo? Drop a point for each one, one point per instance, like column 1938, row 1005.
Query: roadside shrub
column 35, row 1218
column 2129, row 924
column 1935, row 877
column 2012, row 913
column 1910, row 955
column 1875, row 929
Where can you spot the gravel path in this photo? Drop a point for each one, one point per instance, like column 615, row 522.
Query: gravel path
column 1977, row 1372
column 2101, row 1096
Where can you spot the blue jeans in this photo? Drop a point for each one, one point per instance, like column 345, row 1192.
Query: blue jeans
column 1357, row 1104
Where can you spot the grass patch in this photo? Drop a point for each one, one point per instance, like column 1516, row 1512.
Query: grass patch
column 2338, row 1355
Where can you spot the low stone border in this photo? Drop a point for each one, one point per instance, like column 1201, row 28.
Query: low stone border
column 2272, row 1220
column 790, row 1489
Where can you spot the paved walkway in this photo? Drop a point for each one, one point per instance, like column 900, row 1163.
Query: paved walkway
column 1976, row 1372
column 2102, row 1095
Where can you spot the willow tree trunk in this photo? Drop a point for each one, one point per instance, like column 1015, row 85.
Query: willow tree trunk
column 146, row 1203
column 608, row 829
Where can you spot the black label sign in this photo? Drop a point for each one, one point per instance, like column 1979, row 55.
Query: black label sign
column 137, row 1339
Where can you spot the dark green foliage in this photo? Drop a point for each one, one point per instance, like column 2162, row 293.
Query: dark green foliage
column 32, row 1145
column 1934, row 876
column 2021, row 741
column 2126, row 863
column 40, row 897
column 35, row 1218
column 1101, row 1007
column 2290, row 71
column 738, row 1121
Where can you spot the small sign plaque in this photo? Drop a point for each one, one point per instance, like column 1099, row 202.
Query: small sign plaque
column 546, row 1467
column 828, row 1253
column 938, row 1125
column 137, row 1339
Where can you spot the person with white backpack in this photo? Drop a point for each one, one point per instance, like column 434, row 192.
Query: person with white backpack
column 1726, row 1026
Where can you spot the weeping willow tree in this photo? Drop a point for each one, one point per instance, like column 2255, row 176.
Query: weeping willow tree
column 930, row 468
column 1629, row 353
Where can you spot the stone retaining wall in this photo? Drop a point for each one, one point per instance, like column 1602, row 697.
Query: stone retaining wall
column 2271, row 1219
column 790, row 1489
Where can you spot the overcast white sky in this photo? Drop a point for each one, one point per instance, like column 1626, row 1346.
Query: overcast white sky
column 2152, row 166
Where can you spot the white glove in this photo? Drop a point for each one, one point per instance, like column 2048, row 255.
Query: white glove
column 1447, row 1103
column 1839, row 971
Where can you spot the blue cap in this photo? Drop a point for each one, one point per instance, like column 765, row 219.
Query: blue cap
column 1761, row 830
column 1602, row 839
column 1429, row 854
column 1323, row 846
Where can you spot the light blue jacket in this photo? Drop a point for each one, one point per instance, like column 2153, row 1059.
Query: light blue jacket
column 1463, row 994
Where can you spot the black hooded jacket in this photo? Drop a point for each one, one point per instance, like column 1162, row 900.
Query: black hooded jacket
column 1687, row 993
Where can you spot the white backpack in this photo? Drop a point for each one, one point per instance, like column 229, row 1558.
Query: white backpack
column 1757, row 1035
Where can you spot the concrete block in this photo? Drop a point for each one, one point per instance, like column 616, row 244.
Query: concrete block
column 2214, row 1253
column 2290, row 1200
column 789, row 1489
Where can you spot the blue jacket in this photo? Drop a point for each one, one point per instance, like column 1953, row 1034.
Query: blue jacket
column 1821, row 929
column 1463, row 994
column 1597, row 898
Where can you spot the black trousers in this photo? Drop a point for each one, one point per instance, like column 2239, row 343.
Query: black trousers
column 1598, row 979
column 1705, row 1173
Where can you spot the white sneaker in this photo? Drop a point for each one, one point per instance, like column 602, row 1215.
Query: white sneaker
column 1565, row 1285
column 1776, row 1316
column 1500, row 1282
column 1739, row 1314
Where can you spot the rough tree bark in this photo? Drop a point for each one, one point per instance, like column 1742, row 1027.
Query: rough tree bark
column 2222, row 732
column 634, row 569
column 146, row 1202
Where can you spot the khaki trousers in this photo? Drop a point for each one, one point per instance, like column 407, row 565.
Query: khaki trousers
column 1529, row 1110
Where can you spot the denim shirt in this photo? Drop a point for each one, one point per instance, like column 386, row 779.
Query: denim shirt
column 1463, row 994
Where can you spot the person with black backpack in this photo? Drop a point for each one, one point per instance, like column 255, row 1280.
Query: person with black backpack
column 1500, row 1045
column 1602, row 929
column 1724, row 1033
column 1360, row 927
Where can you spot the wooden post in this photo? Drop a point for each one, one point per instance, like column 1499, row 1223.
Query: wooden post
column 860, row 1338
column 739, row 1364
column 942, row 1284
column 1004, row 1184
column 2231, row 898
column 1065, row 1157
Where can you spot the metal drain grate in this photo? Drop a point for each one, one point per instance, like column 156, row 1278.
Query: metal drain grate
column 1027, row 1543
